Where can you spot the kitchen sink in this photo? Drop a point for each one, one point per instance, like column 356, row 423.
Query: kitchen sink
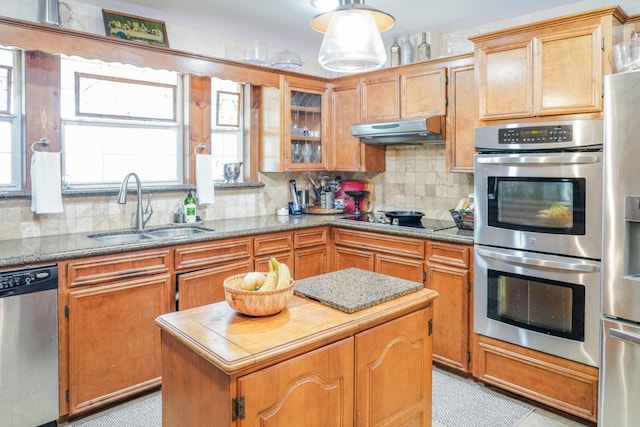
column 122, row 237
column 177, row 231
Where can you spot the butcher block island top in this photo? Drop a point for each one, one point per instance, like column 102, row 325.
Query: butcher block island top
column 309, row 362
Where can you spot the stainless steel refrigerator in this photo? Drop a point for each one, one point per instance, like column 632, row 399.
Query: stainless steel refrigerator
column 619, row 397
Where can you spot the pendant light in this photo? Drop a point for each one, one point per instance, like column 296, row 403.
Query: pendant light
column 352, row 41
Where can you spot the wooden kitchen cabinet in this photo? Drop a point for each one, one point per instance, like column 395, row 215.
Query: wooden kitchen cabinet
column 279, row 245
column 396, row 256
column 411, row 91
column 348, row 153
column 370, row 368
column 295, row 125
column 463, row 115
column 202, row 267
column 111, row 345
column 560, row 383
column 552, row 67
column 448, row 273
column 310, row 257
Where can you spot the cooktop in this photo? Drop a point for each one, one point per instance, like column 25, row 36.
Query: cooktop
column 425, row 223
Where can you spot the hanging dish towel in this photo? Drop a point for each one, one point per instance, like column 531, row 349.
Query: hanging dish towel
column 46, row 183
column 204, row 179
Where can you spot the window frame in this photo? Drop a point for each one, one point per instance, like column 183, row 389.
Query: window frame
column 14, row 117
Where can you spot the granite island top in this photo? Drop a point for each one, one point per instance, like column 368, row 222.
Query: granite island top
column 37, row 250
column 354, row 289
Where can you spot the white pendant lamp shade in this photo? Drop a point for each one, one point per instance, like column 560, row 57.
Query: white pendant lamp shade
column 352, row 41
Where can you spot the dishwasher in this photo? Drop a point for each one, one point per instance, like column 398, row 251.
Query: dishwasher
column 29, row 347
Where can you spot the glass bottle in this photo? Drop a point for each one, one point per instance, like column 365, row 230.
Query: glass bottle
column 406, row 52
column 424, row 49
column 395, row 53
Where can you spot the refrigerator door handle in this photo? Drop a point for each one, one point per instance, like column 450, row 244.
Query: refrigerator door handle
column 628, row 337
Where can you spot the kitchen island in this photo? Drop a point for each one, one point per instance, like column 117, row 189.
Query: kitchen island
column 310, row 364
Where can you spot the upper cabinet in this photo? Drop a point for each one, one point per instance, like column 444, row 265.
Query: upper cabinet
column 348, row 153
column 417, row 90
column 463, row 115
column 553, row 67
column 295, row 126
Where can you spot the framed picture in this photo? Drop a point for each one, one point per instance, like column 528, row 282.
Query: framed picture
column 227, row 108
column 134, row 28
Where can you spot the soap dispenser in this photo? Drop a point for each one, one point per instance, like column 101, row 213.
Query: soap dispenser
column 190, row 208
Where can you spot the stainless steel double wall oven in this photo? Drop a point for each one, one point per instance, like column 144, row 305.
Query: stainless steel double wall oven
column 538, row 219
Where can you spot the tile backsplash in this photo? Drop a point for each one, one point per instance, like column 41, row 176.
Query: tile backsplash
column 415, row 179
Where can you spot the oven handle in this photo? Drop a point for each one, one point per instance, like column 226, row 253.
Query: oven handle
column 527, row 261
column 625, row 336
column 565, row 159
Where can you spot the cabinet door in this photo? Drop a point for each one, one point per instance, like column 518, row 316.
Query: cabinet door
column 448, row 273
column 393, row 373
column 205, row 286
column 568, row 72
column 310, row 262
column 306, row 137
column 352, row 258
column 463, row 118
column 114, row 344
column 345, row 155
column 312, row 390
column 381, row 98
column 505, row 81
column 423, row 93
column 403, row 268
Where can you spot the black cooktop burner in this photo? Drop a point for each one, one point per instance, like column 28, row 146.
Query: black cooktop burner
column 425, row 224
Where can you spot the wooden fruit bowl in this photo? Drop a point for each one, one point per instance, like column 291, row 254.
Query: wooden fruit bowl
column 255, row 303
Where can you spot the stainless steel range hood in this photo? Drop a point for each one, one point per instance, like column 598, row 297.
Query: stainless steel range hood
column 412, row 131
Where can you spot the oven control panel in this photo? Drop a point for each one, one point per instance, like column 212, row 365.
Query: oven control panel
column 535, row 134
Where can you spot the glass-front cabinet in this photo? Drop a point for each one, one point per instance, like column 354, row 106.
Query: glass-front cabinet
column 294, row 126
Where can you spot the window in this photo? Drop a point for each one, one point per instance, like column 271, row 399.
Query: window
column 10, row 130
column 118, row 119
column 227, row 124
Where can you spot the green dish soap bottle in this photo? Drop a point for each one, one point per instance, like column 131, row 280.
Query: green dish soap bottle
column 190, row 208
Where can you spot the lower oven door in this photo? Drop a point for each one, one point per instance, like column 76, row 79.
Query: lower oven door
column 544, row 302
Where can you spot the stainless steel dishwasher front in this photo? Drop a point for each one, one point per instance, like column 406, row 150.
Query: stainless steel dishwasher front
column 29, row 347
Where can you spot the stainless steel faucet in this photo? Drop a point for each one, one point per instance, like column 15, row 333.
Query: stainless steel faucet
column 141, row 217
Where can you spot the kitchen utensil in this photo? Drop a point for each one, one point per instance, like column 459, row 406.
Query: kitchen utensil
column 231, row 171
column 357, row 195
column 303, row 199
column 50, row 12
column 404, row 217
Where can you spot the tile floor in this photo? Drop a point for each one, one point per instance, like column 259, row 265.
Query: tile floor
column 541, row 418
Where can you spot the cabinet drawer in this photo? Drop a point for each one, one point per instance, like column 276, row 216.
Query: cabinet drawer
column 399, row 246
column 268, row 244
column 449, row 254
column 103, row 269
column 205, row 255
column 310, row 237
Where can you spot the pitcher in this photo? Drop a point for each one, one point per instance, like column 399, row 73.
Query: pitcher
column 50, row 12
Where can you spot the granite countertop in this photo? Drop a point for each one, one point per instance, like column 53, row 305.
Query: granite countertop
column 35, row 250
column 354, row 289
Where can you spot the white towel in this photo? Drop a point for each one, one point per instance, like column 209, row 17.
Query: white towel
column 204, row 179
column 46, row 183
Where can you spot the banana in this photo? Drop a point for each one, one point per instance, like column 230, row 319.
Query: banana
column 273, row 263
column 284, row 276
column 270, row 282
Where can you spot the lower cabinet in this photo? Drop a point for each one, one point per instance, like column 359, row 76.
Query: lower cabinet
column 379, row 376
column 560, row 383
column 310, row 256
column 110, row 344
column 401, row 257
column 448, row 273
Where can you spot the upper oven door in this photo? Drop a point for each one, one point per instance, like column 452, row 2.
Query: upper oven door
column 543, row 202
